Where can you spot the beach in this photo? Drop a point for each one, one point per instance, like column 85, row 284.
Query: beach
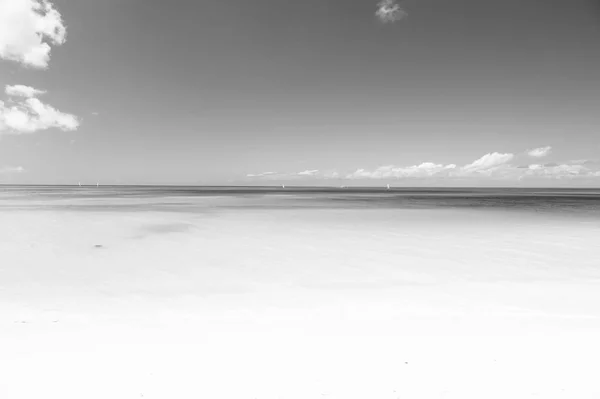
column 310, row 295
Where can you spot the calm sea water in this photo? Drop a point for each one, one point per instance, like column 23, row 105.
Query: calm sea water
column 581, row 202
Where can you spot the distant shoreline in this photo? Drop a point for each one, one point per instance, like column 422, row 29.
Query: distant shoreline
column 317, row 188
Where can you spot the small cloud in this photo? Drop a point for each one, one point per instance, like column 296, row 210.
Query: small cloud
column 12, row 169
column 539, row 152
column 264, row 174
column 488, row 161
column 308, row 172
column 425, row 169
column 331, row 175
column 584, row 162
column 95, row 113
column 27, row 28
column 23, row 91
column 389, row 11
column 28, row 115
column 31, row 115
column 557, row 171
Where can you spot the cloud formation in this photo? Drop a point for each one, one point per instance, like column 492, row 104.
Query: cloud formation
column 487, row 162
column 539, row 152
column 493, row 166
column 389, row 11
column 308, row 172
column 263, row 174
column 425, row 169
column 24, row 113
column 11, row 169
column 23, row 91
column 27, row 28
column 558, row 171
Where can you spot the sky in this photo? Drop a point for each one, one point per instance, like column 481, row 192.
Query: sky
column 312, row 92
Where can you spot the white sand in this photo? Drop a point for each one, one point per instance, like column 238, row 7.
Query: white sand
column 298, row 304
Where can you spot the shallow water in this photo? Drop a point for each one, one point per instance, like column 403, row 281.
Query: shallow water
column 273, row 293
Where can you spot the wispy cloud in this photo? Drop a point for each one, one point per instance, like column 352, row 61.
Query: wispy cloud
column 389, row 11
column 558, row 171
column 539, row 152
column 28, row 114
column 263, row 174
column 305, row 174
column 11, row 169
column 27, row 28
column 308, row 172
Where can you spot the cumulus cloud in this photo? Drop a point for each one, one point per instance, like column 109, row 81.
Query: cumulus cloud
column 23, row 91
column 539, row 152
column 425, row 169
column 29, row 114
column 487, row 162
column 12, row 169
column 389, row 11
column 495, row 166
column 308, row 172
column 27, row 29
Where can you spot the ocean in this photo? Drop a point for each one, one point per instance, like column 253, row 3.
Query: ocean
column 262, row 292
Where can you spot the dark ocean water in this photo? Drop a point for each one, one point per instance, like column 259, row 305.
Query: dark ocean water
column 582, row 202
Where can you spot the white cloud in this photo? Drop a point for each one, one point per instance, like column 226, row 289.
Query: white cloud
column 425, row 169
column 539, row 152
column 27, row 28
column 12, row 169
column 29, row 115
column 487, row 165
column 492, row 166
column 331, row 174
column 23, row 91
column 557, row 171
column 584, row 162
column 487, row 162
column 263, row 174
column 308, row 172
column 389, row 11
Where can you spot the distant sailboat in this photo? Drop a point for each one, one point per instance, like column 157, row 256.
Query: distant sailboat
column 283, row 186
column 79, row 184
column 97, row 184
column 388, row 186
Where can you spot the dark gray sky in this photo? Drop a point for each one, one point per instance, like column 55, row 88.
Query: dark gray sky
column 208, row 91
